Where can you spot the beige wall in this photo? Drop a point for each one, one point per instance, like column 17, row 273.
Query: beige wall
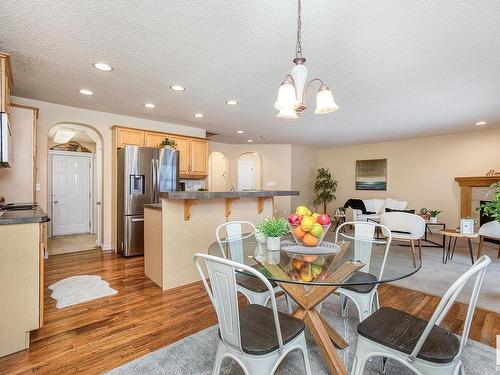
column 51, row 114
column 420, row 171
column 303, row 171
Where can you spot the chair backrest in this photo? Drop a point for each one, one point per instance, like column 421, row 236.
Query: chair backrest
column 223, row 294
column 233, row 240
column 478, row 269
column 364, row 238
column 403, row 222
column 490, row 229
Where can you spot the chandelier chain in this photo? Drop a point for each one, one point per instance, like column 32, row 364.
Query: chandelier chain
column 298, row 47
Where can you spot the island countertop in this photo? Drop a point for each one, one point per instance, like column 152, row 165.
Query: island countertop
column 226, row 194
column 36, row 215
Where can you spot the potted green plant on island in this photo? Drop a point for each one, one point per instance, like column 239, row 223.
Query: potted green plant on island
column 273, row 229
column 325, row 188
column 492, row 209
column 168, row 143
column 433, row 216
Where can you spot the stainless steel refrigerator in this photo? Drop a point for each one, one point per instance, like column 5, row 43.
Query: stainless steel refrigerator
column 142, row 172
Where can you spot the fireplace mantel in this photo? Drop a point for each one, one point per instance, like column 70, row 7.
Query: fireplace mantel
column 466, row 184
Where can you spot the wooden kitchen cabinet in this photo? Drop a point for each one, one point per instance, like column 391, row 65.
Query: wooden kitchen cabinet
column 198, row 149
column 184, row 154
column 6, row 82
column 154, row 139
column 126, row 136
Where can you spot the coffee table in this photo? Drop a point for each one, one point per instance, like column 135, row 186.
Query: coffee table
column 454, row 234
column 309, row 275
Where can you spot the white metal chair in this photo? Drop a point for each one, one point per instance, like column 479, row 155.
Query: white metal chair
column 364, row 296
column 251, row 287
column 424, row 347
column 404, row 226
column 489, row 230
column 257, row 337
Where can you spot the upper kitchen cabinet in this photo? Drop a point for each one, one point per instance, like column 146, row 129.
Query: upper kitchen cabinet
column 6, row 82
column 198, row 149
column 126, row 136
column 154, row 139
column 184, row 155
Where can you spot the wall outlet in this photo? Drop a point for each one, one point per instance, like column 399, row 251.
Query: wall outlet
column 38, row 187
column 270, row 183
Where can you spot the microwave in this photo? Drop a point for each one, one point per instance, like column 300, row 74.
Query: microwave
column 5, row 141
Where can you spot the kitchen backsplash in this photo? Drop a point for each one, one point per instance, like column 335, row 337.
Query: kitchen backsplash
column 193, row 185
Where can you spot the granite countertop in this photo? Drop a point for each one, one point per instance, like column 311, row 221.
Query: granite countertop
column 226, row 194
column 36, row 215
column 154, row 206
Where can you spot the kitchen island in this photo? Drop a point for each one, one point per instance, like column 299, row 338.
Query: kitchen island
column 21, row 276
column 184, row 223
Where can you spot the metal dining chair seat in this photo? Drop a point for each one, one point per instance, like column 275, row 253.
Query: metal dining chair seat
column 361, row 277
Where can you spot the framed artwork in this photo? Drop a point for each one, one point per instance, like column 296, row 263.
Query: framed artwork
column 371, row 174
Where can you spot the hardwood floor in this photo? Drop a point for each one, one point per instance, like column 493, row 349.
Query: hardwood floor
column 94, row 337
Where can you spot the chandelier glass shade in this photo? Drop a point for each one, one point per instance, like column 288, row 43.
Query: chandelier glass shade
column 293, row 92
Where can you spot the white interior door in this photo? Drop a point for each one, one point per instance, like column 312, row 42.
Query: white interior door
column 71, row 194
column 245, row 175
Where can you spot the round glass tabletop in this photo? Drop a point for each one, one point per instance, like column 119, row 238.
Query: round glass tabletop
column 349, row 261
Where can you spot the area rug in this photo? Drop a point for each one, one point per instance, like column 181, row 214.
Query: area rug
column 78, row 289
column 195, row 354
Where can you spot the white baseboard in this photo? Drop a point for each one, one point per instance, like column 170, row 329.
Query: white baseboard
column 107, row 247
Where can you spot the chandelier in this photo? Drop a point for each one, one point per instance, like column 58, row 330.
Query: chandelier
column 292, row 94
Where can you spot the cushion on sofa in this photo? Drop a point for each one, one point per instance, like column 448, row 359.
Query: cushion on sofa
column 373, row 205
column 393, row 204
column 407, row 211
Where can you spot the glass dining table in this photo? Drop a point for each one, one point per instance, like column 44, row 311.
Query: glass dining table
column 310, row 274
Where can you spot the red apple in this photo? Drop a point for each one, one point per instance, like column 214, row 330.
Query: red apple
column 294, row 219
column 323, row 219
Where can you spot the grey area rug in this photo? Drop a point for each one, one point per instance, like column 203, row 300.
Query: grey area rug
column 195, row 354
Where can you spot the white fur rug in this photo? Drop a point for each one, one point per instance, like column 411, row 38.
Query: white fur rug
column 78, row 289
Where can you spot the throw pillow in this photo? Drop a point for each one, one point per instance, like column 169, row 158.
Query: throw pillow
column 407, row 211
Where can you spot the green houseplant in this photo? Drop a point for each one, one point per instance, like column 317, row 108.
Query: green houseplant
column 433, row 215
column 168, row 142
column 325, row 188
column 273, row 229
column 493, row 208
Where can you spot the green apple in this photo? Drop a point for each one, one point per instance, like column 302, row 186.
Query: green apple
column 303, row 211
column 316, row 269
column 316, row 230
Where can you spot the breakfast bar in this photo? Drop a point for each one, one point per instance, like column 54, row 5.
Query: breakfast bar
column 184, row 223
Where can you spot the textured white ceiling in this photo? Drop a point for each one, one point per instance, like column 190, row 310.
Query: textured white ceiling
column 398, row 68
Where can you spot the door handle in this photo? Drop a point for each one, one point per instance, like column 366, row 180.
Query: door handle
column 134, row 220
column 98, row 203
column 55, row 202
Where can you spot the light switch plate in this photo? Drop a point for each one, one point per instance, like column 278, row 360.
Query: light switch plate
column 38, row 187
column 270, row 183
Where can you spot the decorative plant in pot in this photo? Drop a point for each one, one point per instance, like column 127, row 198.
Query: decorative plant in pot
column 433, row 215
column 492, row 208
column 324, row 188
column 168, row 143
column 273, row 229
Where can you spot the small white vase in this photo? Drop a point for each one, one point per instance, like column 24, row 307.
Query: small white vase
column 433, row 219
column 273, row 243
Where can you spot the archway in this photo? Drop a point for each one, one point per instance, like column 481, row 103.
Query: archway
column 218, row 166
column 249, row 171
column 79, row 146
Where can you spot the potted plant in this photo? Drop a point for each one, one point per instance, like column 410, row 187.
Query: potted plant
column 324, row 188
column 168, row 143
column 492, row 208
column 273, row 229
column 433, row 216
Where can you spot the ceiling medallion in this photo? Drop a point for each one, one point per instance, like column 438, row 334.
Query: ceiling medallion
column 292, row 94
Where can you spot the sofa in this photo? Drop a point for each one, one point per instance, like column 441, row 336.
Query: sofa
column 377, row 206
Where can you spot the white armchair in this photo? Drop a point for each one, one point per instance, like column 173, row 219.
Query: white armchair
column 489, row 230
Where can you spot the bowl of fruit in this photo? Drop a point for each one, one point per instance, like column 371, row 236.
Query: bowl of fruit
column 307, row 268
column 308, row 228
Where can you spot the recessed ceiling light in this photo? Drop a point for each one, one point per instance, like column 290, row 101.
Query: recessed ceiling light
column 479, row 123
column 198, row 115
column 85, row 92
column 239, row 131
column 149, row 105
column 104, row 67
column 250, row 141
column 231, row 102
column 177, row 88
